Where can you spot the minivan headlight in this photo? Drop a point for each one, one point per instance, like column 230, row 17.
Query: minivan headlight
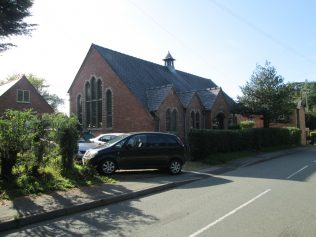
column 90, row 154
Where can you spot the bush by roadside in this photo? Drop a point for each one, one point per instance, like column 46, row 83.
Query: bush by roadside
column 37, row 154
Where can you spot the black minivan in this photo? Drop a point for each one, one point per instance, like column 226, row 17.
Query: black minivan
column 142, row 150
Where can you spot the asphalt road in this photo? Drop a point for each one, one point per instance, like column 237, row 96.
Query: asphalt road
column 273, row 198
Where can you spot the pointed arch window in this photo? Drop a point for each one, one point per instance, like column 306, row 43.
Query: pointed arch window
column 174, row 117
column 79, row 108
column 109, row 109
column 195, row 120
column 168, row 120
column 93, row 96
column 171, row 120
column 192, row 119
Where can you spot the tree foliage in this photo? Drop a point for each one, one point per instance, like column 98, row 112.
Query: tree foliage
column 12, row 14
column 305, row 92
column 15, row 136
column 267, row 94
column 37, row 136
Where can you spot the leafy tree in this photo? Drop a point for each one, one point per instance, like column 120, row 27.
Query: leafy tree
column 267, row 94
column 41, row 85
column 305, row 92
column 12, row 13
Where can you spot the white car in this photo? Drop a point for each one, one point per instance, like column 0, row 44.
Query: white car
column 104, row 138
column 83, row 146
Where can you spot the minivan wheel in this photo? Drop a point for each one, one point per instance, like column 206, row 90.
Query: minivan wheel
column 175, row 166
column 107, row 167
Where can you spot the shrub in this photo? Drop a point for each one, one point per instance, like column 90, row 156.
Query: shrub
column 66, row 136
column 15, row 136
column 247, row 124
column 312, row 135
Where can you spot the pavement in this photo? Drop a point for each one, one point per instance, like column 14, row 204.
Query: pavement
column 28, row 210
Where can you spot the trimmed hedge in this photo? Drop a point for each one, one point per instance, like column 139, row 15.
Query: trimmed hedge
column 206, row 142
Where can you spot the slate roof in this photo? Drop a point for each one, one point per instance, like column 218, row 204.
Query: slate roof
column 185, row 97
column 156, row 95
column 208, row 97
column 151, row 82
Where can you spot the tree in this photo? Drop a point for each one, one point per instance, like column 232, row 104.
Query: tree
column 305, row 92
column 267, row 94
column 41, row 86
column 12, row 13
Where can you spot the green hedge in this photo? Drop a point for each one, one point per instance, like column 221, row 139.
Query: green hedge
column 206, row 142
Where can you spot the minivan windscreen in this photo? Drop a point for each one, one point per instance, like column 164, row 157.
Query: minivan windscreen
column 115, row 140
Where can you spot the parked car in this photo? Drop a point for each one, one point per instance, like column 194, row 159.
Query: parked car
column 83, row 146
column 103, row 138
column 142, row 150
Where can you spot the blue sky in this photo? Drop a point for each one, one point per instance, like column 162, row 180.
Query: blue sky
column 222, row 40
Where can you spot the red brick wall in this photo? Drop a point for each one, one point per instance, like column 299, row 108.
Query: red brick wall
column 172, row 102
column 220, row 106
column 128, row 113
column 194, row 105
column 9, row 99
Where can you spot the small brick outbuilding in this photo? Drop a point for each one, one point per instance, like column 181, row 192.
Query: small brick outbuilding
column 115, row 92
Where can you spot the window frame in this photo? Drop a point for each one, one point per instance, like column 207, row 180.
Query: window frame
column 93, row 103
column 109, row 108
column 24, row 93
column 171, row 120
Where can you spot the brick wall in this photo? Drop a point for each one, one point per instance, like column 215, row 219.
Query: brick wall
column 220, row 106
column 128, row 113
column 196, row 106
column 172, row 102
column 9, row 99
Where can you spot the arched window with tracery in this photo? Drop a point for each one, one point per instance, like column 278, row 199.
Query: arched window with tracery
column 93, row 96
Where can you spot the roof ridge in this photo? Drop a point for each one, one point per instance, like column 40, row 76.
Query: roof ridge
column 150, row 62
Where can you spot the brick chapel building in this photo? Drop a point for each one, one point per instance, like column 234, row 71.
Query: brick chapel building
column 115, row 92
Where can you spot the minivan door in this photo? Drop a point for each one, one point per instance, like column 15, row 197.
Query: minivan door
column 134, row 153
